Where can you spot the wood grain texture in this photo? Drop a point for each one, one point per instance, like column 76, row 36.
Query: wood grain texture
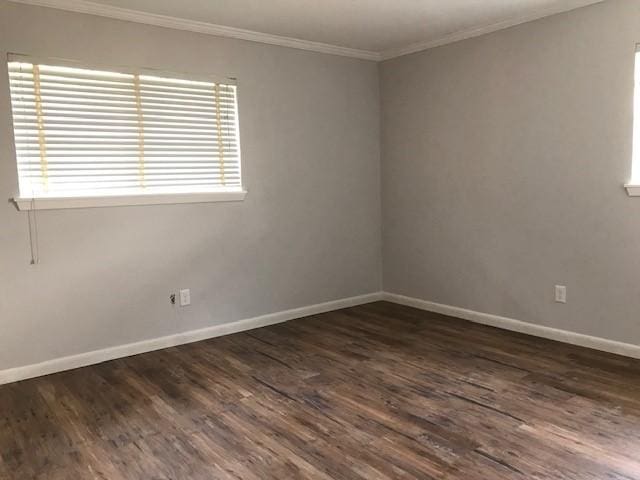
column 379, row 391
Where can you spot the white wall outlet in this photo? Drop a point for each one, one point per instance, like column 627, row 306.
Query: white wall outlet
column 185, row 297
column 561, row 294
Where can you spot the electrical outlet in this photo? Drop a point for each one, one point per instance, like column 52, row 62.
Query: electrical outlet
column 185, row 297
column 561, row 294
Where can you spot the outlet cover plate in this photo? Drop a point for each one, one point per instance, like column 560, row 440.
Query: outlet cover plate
column 561, row 294
column 185, row 297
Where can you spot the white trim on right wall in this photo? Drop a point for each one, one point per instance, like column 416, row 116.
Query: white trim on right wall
column 564, row 336
column 465, row 34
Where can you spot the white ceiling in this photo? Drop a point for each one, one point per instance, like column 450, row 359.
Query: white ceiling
column 386, row 27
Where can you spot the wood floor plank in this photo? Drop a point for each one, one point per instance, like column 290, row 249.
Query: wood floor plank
column 374, row 392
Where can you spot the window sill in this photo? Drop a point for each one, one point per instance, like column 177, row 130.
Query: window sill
column 57, row 203
column 633, row 189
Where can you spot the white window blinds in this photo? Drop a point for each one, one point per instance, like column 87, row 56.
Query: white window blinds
column 85, row 132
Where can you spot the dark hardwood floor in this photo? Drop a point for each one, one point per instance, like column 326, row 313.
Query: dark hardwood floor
column 373, row 392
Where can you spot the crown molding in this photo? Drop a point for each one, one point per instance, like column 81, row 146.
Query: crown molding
column 93, row 8
column 485, row 29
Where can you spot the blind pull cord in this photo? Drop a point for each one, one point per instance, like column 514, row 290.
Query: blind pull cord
column 34, row 244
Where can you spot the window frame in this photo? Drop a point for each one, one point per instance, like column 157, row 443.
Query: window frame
column 633, row 186
column 232, row 194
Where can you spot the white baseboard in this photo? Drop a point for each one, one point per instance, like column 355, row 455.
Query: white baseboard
column 99, row 356
column 112, row 353
column 596, row 343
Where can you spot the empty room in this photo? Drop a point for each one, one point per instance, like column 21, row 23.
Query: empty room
column 334, row 240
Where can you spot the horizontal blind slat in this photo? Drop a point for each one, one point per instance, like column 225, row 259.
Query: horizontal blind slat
column 114, row 153
column 27, row 141
column 124, row 135
column 167, row 163
column 24, row 87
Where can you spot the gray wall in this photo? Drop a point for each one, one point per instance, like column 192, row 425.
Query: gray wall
column 504, row 158
column 308, row 232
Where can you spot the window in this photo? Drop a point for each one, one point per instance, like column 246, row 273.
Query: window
column 633, row 188
column 87, row 137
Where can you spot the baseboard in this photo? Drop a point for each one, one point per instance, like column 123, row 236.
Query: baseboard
column 596, row 343
column 112, row 353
